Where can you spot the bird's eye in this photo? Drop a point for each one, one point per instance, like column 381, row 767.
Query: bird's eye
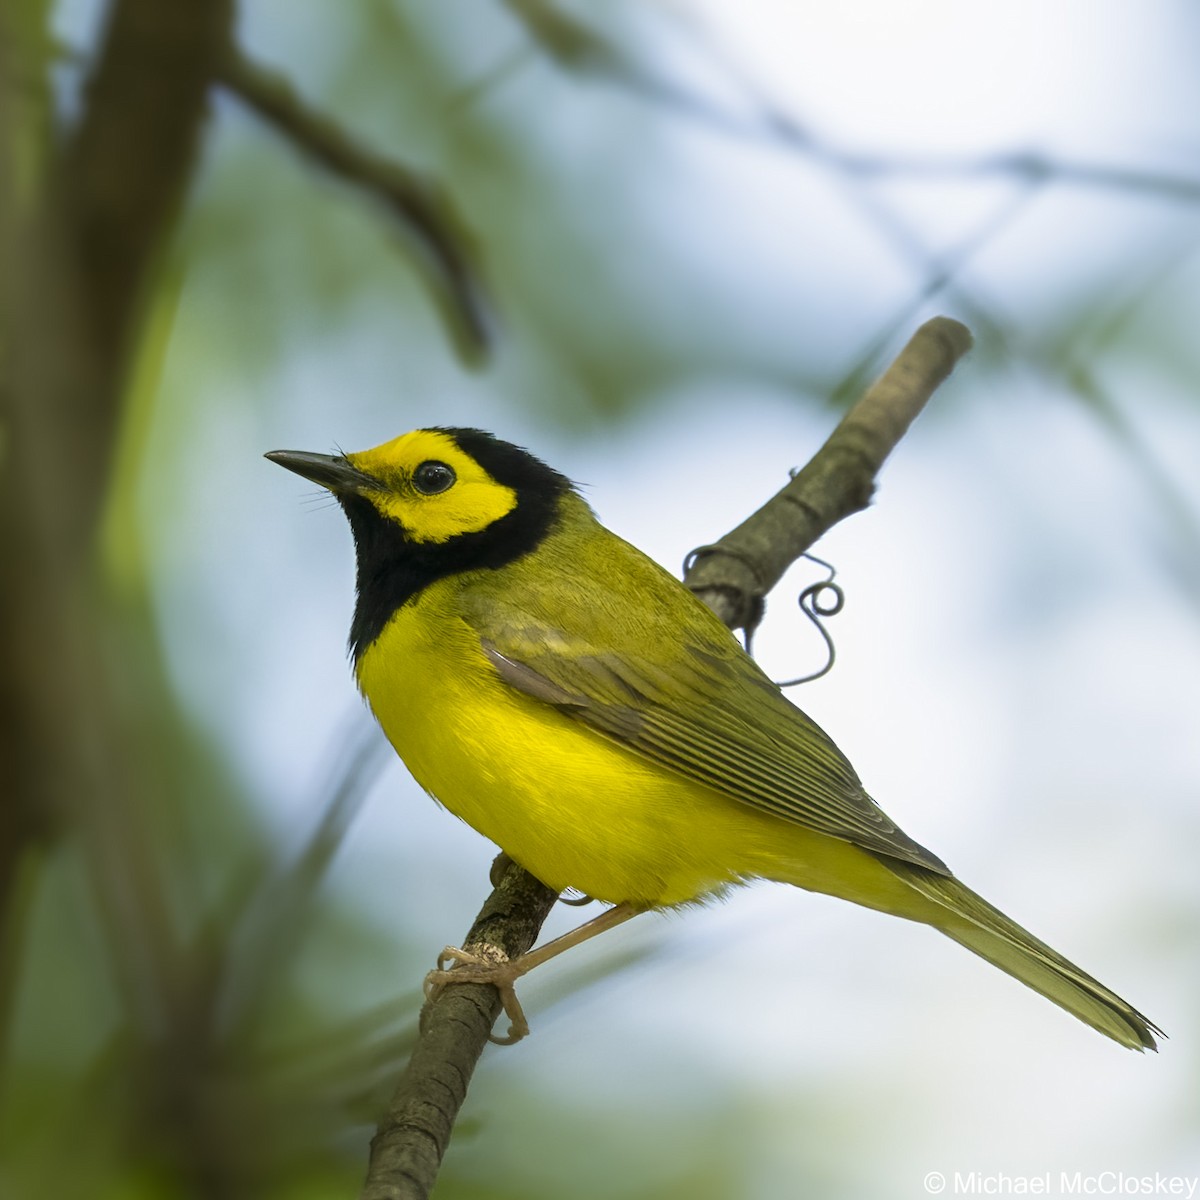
column 430, row 478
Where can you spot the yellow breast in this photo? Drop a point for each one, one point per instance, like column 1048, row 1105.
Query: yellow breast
column 568, row 804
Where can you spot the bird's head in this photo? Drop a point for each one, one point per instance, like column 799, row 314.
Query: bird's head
column 430, row 504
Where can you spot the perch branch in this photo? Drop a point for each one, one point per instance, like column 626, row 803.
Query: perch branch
column 407, row 1149
column 444, row 250
column 734, row 575
column 412, row 1137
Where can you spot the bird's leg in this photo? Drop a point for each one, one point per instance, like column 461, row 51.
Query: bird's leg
column 481, row 963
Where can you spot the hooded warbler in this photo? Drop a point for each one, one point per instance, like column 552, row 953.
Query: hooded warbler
column 572, row 701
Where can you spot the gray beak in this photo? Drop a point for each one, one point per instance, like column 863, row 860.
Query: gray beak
column 330, row 471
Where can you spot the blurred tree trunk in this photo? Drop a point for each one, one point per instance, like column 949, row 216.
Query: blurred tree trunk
column 24, row 133
column 86, row 219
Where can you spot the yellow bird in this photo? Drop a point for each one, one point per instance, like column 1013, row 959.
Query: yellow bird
column 568, row 698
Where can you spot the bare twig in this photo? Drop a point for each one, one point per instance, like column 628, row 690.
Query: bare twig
column 266, row 910
column 444, row 250
column 731, row 577
column 1032, row 167
column 587, row 50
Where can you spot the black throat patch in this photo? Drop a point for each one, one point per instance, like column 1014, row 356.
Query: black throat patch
column 392, row 569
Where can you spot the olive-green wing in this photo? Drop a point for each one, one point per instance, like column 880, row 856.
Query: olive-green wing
column 701, row 707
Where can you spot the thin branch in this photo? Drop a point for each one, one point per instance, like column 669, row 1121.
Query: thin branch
column 582, row 48
column 941, row 271
column 408, row 1147
column 444, row 249
column 265, row 915
column 1030, row 167
column 585, row 50
column 731, row 577
column 734, row 575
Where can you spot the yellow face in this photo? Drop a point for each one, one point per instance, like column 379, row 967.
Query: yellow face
column 431, row 487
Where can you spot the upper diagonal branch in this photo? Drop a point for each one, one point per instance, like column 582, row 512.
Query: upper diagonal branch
column 412, row 1137
column 444, row 249
column 733, row 575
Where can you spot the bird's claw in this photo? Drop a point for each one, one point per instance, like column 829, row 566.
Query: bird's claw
column 482, row 964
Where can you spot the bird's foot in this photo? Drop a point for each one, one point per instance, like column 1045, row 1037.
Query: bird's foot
column 483, row 964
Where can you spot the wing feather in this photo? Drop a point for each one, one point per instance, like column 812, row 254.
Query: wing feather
column 705, row 710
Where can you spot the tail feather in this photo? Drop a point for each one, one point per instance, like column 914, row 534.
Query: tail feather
column 986, row 931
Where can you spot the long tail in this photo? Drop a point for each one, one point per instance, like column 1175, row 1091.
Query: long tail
column 974, row 923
